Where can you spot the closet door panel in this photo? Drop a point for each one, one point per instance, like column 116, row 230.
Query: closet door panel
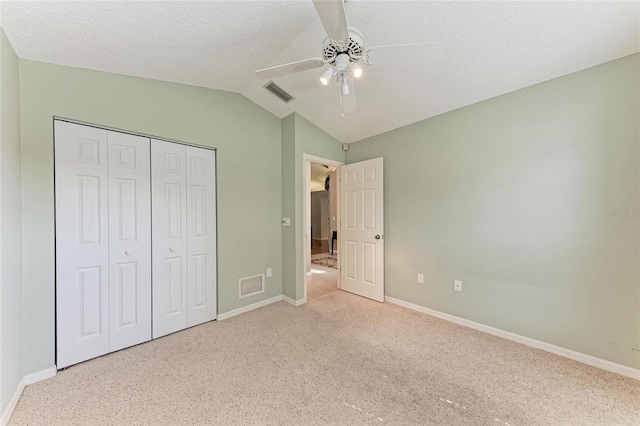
column 169, row 222
column 82, row 243
column 201, row 230
column 129, row 239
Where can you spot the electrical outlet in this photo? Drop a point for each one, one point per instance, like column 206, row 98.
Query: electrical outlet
column 269, row 272
column 457, row 285
column 420, row 279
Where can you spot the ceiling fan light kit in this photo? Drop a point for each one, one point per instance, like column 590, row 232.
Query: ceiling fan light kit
column 344, row 87
column 326, row 76
column 356, row 70
column 343, row 49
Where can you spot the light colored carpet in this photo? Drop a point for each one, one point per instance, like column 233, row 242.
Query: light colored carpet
column 322, row 281
column 340, row 359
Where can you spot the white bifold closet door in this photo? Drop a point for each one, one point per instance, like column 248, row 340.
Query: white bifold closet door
column 103, row 241
column 129, row 240
column 184, row 236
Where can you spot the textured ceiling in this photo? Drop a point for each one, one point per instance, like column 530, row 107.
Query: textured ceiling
column 492, row 48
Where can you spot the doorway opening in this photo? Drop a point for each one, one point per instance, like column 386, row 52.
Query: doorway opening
column 321, row 207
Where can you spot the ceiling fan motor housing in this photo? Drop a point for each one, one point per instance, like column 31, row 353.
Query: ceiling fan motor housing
column 354, row 48
column 342, row 63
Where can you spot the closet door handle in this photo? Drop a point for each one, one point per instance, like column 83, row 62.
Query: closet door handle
column 127, row 252
column 172, row 249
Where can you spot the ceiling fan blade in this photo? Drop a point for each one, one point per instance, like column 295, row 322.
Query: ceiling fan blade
column 293, row 67
column 401, row 54
column 348, row 101
column 333, row 18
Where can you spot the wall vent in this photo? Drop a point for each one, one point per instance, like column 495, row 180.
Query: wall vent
column 279, row 92
column 249, row 286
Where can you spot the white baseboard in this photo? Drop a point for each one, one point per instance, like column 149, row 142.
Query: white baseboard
column 248, row 308
column 40, row 375
column 603, row 364
column 6, row 415
column 29, row 379
column 294, row 302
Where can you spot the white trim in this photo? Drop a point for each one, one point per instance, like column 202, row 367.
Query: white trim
column 129, row 132
column 248, row 308
column 325, row 161
column 603, row 364
column 240, row 295
column 29, row 379
column 307, row 159
column 38, row 376
column 6, row 415
column 294, row 302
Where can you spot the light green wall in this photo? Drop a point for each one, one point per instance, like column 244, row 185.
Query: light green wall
column 508, row 195
column 249, row 172
column 511, row 195
column 10, row 226
column 307, row 139
column 311, row 140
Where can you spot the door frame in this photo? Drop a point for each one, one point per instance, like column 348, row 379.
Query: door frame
column 307, row 159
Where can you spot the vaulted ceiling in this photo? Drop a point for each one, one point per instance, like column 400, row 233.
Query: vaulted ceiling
column 491, row 48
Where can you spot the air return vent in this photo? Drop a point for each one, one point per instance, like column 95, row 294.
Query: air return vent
column 279, row 92
column 251, row 285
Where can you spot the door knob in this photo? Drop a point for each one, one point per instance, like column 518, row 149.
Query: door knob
column 172, row 249
column 378, row 237
column 127, row 252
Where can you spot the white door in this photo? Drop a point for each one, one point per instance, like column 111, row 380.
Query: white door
column 169, row 223
column 82, row 243
column 362, row 229
column 201, row 235
column 129, row 240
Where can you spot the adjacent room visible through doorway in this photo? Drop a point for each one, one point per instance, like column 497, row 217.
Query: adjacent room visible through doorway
column 322, row 275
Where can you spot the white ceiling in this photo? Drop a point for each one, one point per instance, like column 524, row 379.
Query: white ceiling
column 319, row 173
column 492, row 48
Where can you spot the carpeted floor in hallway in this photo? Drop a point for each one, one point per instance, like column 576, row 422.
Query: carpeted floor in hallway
column 339, row 359
column 323, row 280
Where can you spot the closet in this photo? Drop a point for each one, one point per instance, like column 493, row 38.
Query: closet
column 184, row 240
column 135, row 239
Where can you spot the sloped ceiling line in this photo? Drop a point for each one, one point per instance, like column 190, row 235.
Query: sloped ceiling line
column 492, row 48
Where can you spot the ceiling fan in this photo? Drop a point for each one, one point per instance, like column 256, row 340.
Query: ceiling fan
column 344, row 50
